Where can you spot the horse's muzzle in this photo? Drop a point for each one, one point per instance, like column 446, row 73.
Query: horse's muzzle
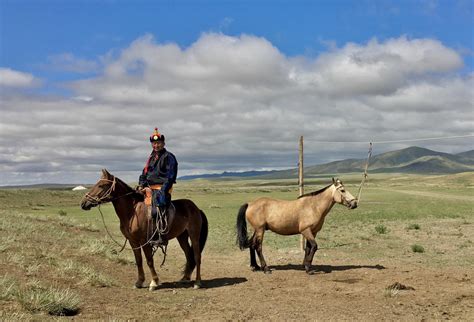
column 86, row 205
column 353, row 204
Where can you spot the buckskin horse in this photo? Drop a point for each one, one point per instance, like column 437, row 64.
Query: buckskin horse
column 302, row 216
column 189, row 223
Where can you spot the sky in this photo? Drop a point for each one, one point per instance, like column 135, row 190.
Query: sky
column 231, row 84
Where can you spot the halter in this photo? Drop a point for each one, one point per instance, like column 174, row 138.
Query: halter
column 342, row 195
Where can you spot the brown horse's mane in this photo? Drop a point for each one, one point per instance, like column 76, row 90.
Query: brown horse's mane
column 137, row 197
column 314, row 193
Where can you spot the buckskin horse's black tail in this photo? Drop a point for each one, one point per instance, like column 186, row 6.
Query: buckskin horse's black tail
column 241, row 226
column 204, row 232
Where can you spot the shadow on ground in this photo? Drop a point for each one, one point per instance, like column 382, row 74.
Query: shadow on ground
column 325, row 268
column 212, row 283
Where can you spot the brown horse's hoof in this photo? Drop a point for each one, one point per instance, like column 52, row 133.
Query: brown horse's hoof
column 153, row 286
column 197, row 285
column 266, row 270
column 255, row 268
column 311, row 272
column 139, row 285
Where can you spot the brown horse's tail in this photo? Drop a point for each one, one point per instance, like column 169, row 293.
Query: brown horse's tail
column 241, row 226
column 204, row 231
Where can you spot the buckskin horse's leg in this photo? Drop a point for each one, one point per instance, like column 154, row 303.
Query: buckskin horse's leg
column 151, row 265
column 258, row 246
column 253, row 261
column 310, row 250
column 139, row 262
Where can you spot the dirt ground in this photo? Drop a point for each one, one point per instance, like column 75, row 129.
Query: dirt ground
column 341, row 289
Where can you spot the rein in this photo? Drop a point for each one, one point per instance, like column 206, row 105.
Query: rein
column 97, row 201
column 110, row 235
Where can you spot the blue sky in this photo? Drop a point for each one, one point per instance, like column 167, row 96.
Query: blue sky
column 372, row 70
column 32, row 31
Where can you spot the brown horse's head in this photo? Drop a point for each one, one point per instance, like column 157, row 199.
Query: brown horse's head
column 342, row 196
column 101, row 192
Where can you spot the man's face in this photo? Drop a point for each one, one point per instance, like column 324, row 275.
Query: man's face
column 158, row 145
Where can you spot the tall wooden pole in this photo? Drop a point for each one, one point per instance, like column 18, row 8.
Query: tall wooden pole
column 301, row 182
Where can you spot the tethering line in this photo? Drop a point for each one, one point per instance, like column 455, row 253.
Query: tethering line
column 399, row 141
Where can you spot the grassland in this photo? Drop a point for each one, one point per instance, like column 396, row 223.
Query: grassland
column 53, row 252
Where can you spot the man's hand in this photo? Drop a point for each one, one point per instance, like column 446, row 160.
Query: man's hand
column 141, row 190
column 161, row 199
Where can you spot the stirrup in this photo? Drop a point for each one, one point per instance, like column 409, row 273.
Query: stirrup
column 160, row 242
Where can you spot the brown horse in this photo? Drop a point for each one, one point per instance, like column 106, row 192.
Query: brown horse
column 189, row 223
column 304, row 216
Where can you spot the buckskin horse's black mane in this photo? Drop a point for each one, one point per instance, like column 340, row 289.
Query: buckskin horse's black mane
column 314, row 193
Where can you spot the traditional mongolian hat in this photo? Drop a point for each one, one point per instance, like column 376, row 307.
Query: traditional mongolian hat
column 157, row 136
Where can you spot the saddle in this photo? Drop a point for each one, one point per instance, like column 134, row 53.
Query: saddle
column 149, row 193
column 164, row 219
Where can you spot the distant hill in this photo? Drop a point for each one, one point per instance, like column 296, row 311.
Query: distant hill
column 410, row 160
column 50, row 186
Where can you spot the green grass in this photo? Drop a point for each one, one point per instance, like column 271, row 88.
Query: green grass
column 413, row 227
column 417, row 248
column 8, row 288
column 381, row 229
column 50, row 300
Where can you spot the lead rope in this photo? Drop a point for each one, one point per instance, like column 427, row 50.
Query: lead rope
column 108, row 232
column 369, row 154
column 163, row 228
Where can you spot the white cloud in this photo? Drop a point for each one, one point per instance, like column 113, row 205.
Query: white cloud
column 237, row 103
column 14, row 78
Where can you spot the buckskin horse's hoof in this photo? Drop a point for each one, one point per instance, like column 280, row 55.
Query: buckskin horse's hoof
column 266, row 270
column 197, row 285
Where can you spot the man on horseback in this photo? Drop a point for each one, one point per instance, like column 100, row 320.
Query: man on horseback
column 157, row 180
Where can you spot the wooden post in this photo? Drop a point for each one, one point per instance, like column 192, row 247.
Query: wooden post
column 301, row 182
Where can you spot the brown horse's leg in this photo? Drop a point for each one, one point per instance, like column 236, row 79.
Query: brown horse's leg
column 310, row 250
column 139, row 262
column 151, row 265
column 197, row 257
column 258, row 240
column 188, row 252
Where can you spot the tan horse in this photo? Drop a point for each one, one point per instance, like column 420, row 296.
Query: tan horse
column 302, row 216
column 189, row 223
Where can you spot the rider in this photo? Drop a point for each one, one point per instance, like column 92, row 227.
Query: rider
column 160, row 172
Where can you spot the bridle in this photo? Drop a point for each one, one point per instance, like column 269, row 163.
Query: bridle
column 95, row 200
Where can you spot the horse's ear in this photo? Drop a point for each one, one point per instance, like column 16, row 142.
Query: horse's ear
column 333, row 181
column 105, row 173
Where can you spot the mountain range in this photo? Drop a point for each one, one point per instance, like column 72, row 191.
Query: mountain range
column 410, row 160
